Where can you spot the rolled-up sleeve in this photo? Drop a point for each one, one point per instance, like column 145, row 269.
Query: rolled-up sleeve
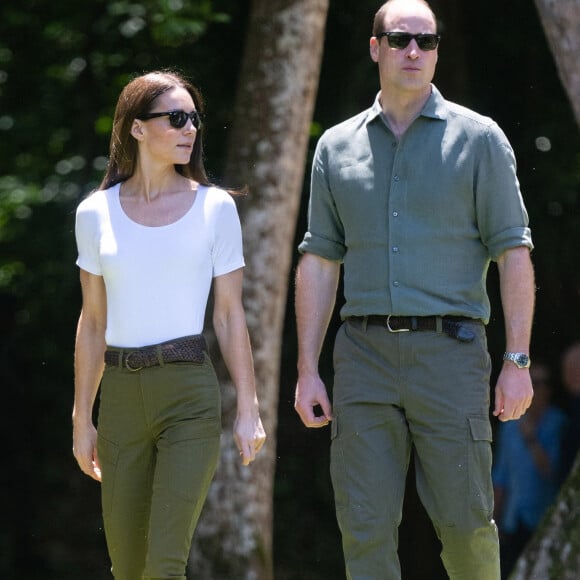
column 501, row 213
column 325, row 233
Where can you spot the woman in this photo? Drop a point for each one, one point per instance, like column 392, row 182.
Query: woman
column 151, row 240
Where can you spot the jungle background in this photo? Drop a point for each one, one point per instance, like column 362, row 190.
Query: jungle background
column 62, row 65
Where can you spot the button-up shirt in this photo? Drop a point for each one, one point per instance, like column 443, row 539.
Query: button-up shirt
column 416, row 220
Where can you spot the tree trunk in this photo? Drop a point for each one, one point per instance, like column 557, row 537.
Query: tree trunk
column 554, row 551
column 561, row 23
column 273, row 112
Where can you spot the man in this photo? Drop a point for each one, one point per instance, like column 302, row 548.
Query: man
column 414, row 196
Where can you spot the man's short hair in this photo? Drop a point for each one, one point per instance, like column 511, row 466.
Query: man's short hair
column 379, row 21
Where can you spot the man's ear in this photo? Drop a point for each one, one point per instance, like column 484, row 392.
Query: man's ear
column 137, row 129
column 374, row 49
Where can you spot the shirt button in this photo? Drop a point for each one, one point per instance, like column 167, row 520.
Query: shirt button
column 395, row 214
column 396, row 283
column 396, row 178
column 395, row 249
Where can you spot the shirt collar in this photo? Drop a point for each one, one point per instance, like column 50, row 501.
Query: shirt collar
column 376, row 109
column 435, row 107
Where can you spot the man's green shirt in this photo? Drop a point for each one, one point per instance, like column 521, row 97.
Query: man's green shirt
column 416, row 221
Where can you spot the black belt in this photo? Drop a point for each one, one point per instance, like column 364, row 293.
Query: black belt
column 453, row 326
column 185, row 349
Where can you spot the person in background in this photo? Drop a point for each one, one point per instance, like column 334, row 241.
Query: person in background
column 570, row 369
column 151, row 242
column 526, row 468
column 414, row 197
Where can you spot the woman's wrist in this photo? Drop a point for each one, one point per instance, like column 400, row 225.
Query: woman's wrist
column 248, row 407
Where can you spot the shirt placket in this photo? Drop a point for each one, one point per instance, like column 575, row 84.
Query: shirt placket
column 396, row 216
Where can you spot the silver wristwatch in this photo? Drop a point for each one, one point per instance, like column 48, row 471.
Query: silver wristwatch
column 520, row 359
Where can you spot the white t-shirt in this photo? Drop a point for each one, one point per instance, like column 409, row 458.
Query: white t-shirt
column 157, row 278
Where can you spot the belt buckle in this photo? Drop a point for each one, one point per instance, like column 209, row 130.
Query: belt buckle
column 128, row 366
column 395, row 329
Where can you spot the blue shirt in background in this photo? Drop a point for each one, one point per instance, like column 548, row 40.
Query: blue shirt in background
column 527, row 491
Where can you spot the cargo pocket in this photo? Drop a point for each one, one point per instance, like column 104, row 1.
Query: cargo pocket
column 108, row 454
column 337, row 467
column 479, row 458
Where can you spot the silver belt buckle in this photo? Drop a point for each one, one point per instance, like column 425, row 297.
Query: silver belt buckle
column 395, row 329
column 128, row 366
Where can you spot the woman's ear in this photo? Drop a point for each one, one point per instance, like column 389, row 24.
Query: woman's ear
column 137, row 130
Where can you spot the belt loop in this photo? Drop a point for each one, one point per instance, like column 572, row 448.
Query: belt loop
column 414, row 323
column 120, row 361
column 364, row 324
column 159, row 351
column 439, row 324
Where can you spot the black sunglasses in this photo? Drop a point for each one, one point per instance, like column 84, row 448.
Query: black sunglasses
column 177, row 119
column 402, row 39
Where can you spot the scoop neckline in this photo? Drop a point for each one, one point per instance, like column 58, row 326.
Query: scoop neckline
column 117, row 196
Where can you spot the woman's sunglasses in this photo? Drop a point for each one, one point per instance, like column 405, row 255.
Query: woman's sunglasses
column 402, row 39
column 177, row 119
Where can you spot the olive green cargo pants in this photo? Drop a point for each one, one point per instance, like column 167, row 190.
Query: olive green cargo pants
column 158, row 446
column 393, row 391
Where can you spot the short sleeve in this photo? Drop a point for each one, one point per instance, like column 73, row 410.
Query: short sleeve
column 87, row 236
column 227, row 253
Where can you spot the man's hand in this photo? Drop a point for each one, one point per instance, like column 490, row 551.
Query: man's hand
column 310, row 393
column 513, row 393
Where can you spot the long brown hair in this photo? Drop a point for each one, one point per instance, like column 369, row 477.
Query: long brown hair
column 137, row 98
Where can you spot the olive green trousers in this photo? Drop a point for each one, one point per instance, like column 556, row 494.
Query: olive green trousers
column 394, row 392
column 158, row 447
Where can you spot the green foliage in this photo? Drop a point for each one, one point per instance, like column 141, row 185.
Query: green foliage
column 61, row 71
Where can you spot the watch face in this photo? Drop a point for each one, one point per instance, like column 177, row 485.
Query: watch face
column 522, row 360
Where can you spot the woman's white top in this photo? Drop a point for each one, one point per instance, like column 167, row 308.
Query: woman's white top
column 157, row 279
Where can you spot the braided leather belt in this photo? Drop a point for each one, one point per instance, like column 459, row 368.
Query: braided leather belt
column 453, row 326
column 185, row 349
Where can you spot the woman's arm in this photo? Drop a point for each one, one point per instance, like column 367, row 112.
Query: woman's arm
column 89, row 364
column 229, row 322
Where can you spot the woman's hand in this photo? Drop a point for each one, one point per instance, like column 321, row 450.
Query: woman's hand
column 249, row 436
column 85, row 450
